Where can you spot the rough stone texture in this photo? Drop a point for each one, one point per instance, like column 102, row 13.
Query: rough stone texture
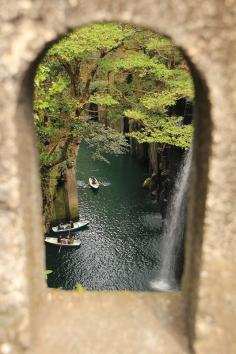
column 206, row 32
column 104, row 323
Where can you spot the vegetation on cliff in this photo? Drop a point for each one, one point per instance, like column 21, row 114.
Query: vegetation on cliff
column 112, row 70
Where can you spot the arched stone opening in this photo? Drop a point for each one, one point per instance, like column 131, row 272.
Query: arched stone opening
column 73, row 177
column 19, row 185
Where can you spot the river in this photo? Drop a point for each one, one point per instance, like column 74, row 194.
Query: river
column 119, row 249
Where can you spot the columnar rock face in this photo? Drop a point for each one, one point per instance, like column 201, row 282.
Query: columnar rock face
column 71, row 185
column 206, row 32
column 163, row 162
column 64, row 203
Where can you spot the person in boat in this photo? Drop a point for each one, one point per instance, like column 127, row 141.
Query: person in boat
column 68, row 236
column 71, row 240
column 59, row 239
column 93, row 180
column 71, row 223
column 60, row 226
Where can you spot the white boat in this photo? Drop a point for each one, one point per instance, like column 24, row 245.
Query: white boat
column 68, row 227
column 93, row 182
column 64, row 242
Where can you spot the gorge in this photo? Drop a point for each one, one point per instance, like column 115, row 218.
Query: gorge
column 111, row 92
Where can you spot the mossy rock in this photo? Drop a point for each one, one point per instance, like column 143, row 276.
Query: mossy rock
column 150, row 183
column 147, row 182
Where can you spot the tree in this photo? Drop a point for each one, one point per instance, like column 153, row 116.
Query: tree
column 123, row 72
column 63, row 91
column 149, row 77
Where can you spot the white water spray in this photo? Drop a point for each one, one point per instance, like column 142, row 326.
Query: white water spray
column 173, row 230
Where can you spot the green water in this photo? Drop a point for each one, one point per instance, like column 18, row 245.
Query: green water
column 119, row 249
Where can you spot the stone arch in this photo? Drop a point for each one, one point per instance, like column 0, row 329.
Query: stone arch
column 32, row 28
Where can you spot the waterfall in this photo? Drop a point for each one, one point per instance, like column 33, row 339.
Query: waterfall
column 173, row 230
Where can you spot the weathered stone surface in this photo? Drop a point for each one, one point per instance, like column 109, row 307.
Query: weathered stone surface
column 107, row 322
column 206, row 32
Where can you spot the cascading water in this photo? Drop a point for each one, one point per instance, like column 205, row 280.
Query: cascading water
column 173, row 231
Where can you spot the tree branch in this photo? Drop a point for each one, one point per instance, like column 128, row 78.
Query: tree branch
column 73, row 75
column 63, row 156
column 102, row 55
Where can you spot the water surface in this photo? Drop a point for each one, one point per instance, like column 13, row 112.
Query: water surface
column 119, row 249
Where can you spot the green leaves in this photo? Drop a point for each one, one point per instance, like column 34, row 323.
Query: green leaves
column 47, row 272
column 42, row 74
column 165, row 50
column 159, row 101
column 181, row 83
column 161, row 129
column 87, row 42
column 80, row 288
column 103, row 99
column 138, row 115
column 160, row 43
column 132, row 61
column 123, row 72
column 58, row 86
column 164, row 131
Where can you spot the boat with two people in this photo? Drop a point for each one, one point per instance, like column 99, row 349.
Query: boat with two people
column 93, row 182
column 70, row 227
column 63, row 241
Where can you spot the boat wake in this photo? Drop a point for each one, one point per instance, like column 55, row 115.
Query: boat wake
column 105, row 184
column 84, row 184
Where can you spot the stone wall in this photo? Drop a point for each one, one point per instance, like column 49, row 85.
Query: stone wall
column 32, row 318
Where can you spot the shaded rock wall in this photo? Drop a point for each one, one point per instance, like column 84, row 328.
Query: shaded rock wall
column 163, row 165
column 66, row 202
column 162, row 162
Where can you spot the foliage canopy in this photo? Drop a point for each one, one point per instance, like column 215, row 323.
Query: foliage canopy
column 120, row 70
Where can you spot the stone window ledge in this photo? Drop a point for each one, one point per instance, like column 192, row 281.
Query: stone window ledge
column 110, row 323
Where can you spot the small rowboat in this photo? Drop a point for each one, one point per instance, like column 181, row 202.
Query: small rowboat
column 64, row 242
column 68, row 227
column 93, row 182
